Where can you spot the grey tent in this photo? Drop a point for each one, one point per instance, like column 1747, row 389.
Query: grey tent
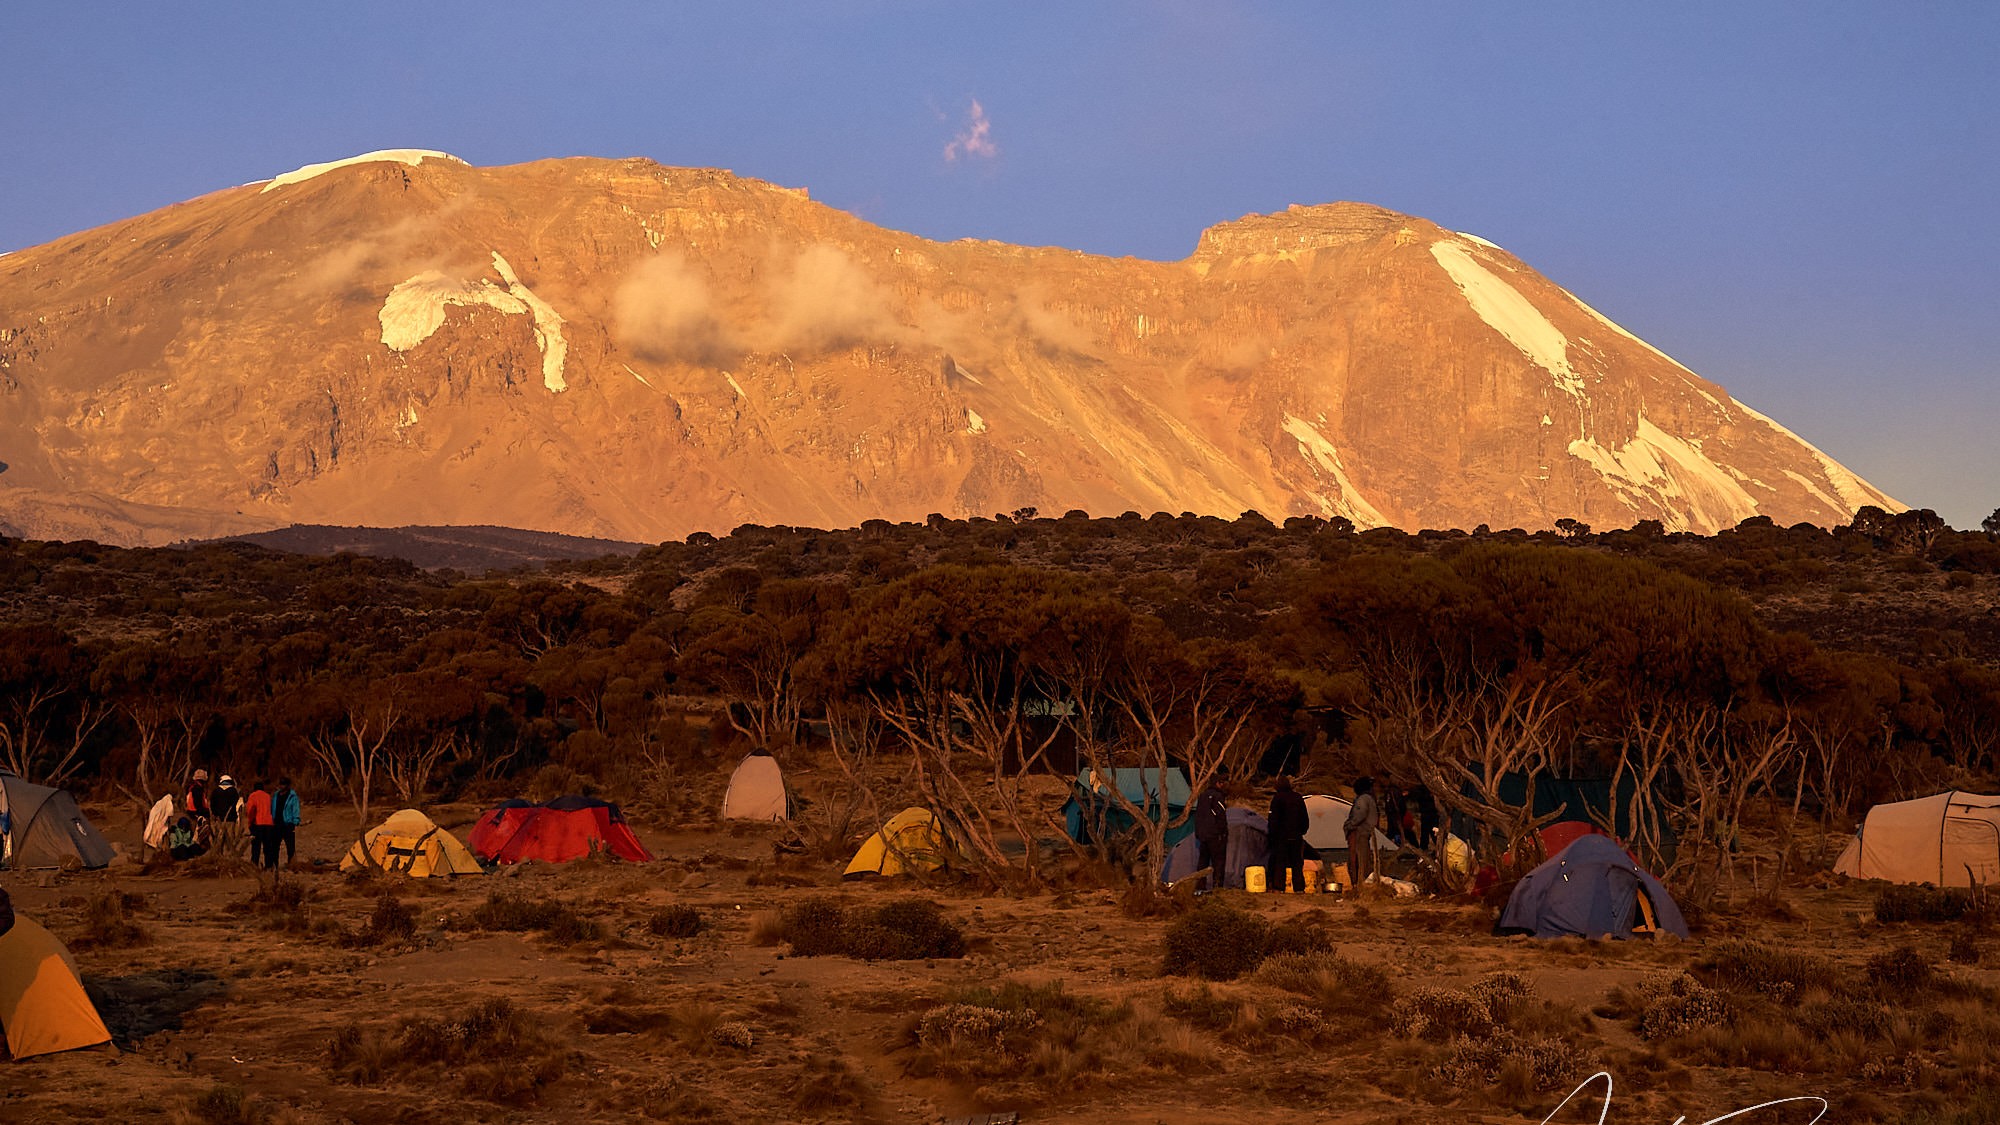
column 42, row 827
column 1248, row 845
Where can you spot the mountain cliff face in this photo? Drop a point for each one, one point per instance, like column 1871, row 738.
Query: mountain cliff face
column 624, row 350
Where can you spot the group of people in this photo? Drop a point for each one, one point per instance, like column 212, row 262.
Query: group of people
column 205, row 816
column 1288, row 822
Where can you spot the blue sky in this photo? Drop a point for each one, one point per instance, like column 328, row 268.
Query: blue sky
column 1797, row 200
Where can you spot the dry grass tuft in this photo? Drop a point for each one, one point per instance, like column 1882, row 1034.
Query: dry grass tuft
column 826, row 1084
column 497, row 1052
column 221, row 1105
column 108, row 922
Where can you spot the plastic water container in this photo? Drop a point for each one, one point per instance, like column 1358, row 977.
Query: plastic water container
column 1253, row 880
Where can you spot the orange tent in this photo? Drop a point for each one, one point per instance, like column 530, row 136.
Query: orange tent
column 42, row 1003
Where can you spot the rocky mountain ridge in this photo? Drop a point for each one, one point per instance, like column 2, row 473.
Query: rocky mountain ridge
column 622, row 350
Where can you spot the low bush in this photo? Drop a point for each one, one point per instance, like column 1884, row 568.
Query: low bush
column 1901, row 972
column 1901, row 902
column 1781, row 974
column 1518, row 1064
column 816, row 927
column 1441, row 1014
column 677, row 921
column 904, row 930
column 1678, row 1005
column 391, row 921
column 553, row 918
column 1215, row 942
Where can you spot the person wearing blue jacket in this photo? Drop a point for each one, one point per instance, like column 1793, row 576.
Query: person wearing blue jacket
column 288, row 813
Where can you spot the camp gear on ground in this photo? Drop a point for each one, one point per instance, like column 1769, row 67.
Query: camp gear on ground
column 757, row 791
column 1253, row 879
column 1951, row 839
column 1593, row 889
column 410, row 843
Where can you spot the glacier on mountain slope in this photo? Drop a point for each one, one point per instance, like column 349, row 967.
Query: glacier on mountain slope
column 410, row 156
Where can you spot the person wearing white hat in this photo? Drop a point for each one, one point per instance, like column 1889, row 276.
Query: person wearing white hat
column 225, row 801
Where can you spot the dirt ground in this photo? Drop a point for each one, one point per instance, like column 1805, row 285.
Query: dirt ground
column 726, row 1026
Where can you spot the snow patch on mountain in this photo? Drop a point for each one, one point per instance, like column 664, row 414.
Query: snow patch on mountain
column 410, row 156
column 1321, row 453
column 1695, row 493
column 1853, row 491
column 974, row 424
column 548, row 326
column 415, row 308
column 1468, row 236
column 1504, row 310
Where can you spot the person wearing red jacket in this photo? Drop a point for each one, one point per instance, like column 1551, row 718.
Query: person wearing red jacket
column 263, row 827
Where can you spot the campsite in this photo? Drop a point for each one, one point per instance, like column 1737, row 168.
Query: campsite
column 736, row 854
column 661, row 991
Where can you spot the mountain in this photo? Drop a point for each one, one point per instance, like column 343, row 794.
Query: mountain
column 621, row 350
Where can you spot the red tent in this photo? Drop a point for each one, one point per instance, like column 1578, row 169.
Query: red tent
column 564, row 829
column 1563, row 833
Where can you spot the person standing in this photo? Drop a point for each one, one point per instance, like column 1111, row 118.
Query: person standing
column 1287, row 840
column 1360, row 828
column 224, row 803
column 288, row 814
column 263, row 826
column 197, row 798
column 1211, row 830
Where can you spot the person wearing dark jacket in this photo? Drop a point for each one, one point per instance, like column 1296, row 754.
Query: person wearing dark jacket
column 224, row 802
column 1211, row 830
column 1287, row 828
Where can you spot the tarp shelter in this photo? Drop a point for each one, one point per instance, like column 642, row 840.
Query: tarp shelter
column 1951, row 839
column 1249, row 846
column 1592, row 890
column 411, row 843
column 757, row 791
column 42, row 827
column 1588, row 800
column 564, row 829
column 911, row 841
column 42, row 1003
column 1092, row 813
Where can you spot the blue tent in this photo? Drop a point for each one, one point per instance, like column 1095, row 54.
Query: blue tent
column 1249, row 844
column 1091, row 814
column 1592, row 889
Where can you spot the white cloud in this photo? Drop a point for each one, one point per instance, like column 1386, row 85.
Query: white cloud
column 975, row 140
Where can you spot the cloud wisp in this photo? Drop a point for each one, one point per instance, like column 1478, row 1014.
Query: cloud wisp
column 975, row 140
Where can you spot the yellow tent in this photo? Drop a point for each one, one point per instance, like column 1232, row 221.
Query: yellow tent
column 42, row 1005
column 911, row 841
column 413, row 844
